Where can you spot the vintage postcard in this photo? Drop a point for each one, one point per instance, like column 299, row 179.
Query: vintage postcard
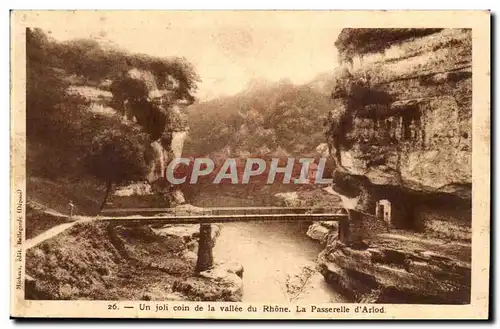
column 250, row 164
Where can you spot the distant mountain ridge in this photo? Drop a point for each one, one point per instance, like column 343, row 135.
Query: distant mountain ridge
column 262, row 119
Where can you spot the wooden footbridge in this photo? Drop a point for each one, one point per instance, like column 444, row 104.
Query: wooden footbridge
column 219, row 215
column 351, row 225
column 207, row 216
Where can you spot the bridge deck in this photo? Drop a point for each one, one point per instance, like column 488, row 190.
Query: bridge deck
column 207, row 219
column 218, row 210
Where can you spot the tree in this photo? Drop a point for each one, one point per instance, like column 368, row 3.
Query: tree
column 117, row 155
column 53, row 116
column 45, row 91
column 205, row 257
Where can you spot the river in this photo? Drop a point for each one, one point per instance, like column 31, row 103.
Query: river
column 269, row 253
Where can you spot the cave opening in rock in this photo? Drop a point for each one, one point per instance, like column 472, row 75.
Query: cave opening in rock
column 422, row 212
column 410, row 122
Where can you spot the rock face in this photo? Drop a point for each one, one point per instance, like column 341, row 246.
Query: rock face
column 400, row 139
column 395, row 268
column 403, row 122
column 167, row 139
column 413, row 127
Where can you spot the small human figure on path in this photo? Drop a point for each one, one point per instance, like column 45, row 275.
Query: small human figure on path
column 71, row 207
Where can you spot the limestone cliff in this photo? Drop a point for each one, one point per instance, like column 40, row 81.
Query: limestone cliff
column 401, row 133
column 407, row 119
column 142, row 98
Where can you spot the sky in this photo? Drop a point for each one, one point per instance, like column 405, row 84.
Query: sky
column 228, row 49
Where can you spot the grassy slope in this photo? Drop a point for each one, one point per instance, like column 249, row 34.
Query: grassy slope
column 96, row 262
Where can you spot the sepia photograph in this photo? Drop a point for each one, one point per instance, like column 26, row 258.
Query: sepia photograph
column 250, row 164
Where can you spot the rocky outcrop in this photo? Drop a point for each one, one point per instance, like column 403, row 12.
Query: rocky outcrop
column 404, row 117
column 141, row 97
column 134, row 189
column 321, row 231
column 229, row 276
column 400, row 142
column 400, row 268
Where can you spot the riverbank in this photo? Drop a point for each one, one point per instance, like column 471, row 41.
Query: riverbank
column 400, row 267
column 97, row 261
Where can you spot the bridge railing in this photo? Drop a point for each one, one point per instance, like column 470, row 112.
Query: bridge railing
column 217, row 211
column 353, row 225
column 217, row 215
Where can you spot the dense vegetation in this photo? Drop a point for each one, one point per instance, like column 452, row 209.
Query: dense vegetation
column 91, row 63
column 65, row 139
column 265, row 119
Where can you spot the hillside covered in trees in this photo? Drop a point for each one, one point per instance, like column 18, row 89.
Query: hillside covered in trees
column 73, row 146
column 265, row 119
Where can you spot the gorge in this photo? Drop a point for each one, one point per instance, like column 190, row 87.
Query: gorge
column 398, row 145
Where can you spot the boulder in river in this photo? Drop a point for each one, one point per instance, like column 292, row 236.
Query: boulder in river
column 186, row 232
column 318, row 232
column 232, row 267
column 226, row 278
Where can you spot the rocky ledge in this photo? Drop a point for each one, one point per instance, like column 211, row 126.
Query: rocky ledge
column 399, row 142
column 399, row 268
